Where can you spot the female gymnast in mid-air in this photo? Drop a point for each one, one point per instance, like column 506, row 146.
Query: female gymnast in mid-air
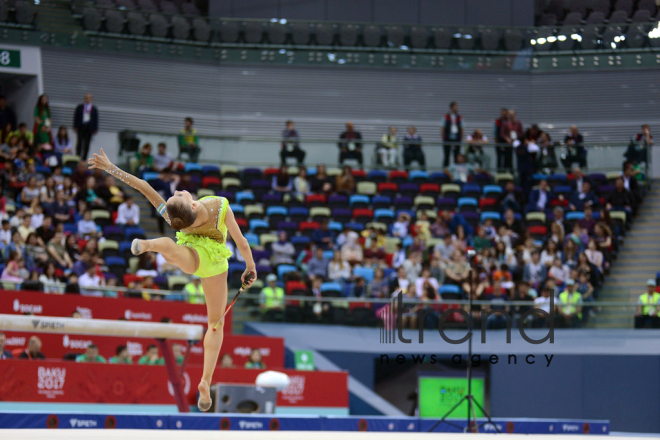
column 200, row 249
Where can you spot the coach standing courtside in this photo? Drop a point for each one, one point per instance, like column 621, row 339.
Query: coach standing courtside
column 86, row 124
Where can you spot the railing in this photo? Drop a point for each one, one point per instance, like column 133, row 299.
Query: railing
column 265, row 152
column 251, row 299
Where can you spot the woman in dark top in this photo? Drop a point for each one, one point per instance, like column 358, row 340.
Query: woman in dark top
column 321, row 182
column 282, row 181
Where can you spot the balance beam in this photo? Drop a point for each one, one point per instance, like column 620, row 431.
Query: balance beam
column 130, row 329
column 101, row 327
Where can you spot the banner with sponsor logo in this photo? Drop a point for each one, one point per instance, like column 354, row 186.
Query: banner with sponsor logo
column 71, row 382
column 56, row 346
column 20, row 302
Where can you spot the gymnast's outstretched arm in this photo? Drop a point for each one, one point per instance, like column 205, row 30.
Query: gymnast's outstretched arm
column 102, row 162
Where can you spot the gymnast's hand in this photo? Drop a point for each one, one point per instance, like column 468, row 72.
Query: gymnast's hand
column 248, row 281
column 99, row 161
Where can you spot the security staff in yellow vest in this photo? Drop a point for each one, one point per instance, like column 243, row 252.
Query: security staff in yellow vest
column 648, row 310
column 570, row 309
column 271, row 299
column 194, row 291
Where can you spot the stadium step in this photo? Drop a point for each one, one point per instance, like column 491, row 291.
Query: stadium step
column 638, row 261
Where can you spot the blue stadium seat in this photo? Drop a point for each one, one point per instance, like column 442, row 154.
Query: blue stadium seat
column 276, row 210
column 311, row 171
column 300, row 242
column 329, row 254
column 365, row 272
column 252, row 239
column 449, row 289
column 407, row 242
column 70, row 228
column 574, row 215
column 490, row 215
column 237, row 208
column 381, row 202
column 243, row 197
column 377, row 176
column 331, row 289
column 259, row 226
column 357, row 227
column 419, row 176
column 211, row 170
column 192, row 167
column 490, row 189
column 467, row 201
column 335, row 226
column 563, row 189
column 358, row 201
column 284, row 269
column 148, row 175
column 384, row 216
column 134, row 232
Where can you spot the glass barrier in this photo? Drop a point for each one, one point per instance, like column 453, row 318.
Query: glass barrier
column 262, row 152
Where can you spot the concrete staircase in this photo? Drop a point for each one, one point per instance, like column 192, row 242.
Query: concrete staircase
column 638, row 260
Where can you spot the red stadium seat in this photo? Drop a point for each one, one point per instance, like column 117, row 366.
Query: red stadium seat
column 362, row 215
column 398, row 176
column 208, row 181
column 430, row 189
column 388, row 188
column 316, row 200
column 270, row 172
column 308, row 228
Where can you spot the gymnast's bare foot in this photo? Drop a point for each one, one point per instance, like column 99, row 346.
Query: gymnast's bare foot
column 204, row 402
column 139, row 246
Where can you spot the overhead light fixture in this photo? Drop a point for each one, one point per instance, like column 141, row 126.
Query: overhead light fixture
column 532, row 42
column 561, row 37
column 552, row 39
column 655, row 32
column 541, row 40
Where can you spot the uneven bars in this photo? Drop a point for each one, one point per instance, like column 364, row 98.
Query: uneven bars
column 101, row 327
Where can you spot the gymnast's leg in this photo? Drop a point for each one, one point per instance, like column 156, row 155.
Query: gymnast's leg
column 184, row 257
column 215, row 291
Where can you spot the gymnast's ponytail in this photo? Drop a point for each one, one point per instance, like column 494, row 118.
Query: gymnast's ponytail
column 181, row 215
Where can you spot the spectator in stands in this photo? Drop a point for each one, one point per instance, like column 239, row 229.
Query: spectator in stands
column 452, row 133
column 111, row 194
column 546, row 159
column 350, row 144
column 4, row 354
column 620, row 199
column 300, row 183
column 338, row 269
column 388, row 149
column 91, row 355
column 321, row 182
column 194, row 291
column 47, row 192
column 637, row 151
column 35, row 251
column 550, row 252
column 413, row 266
column 503, row 152
column 282, row 182
column 177, row 353
column 5, row 234
column 534, row 272
column 283, row 251
column 511, row 132
column 24, row 135
column 318, row 266
column 578, row 179
column 86, row 124
column 80, row 175
column 498, row 298
column 49, row 279
column 89, row 195
column 86, row 226
column 584, row 198
column 30, row 192
column 412, row 149
column 475, row 150
column 121, row 356
column 511, row 199
column 648, row 315
column 188, row 141
column 226, row 361
column 7, row 115
column 539, row 199
column 588, row 223
column 379, row 286
column 162, row 159
column 271, row 299
column 42, row 118
column 14, row 269
column 630, row 183
column 351, row 250
column 481, row 242
column 576, row 149
column 323, row 237
column 254, row 361
column 399, row 256
column 62, row 143
column 425, row 278
column 151, row 357
column 400, row 282
column 570, row 310
column 33, row 350
column 128, row 213
column 90, row 281
column 16, row 245
column 345, row 182
column 145, row 158
column 460, row 171
column 291, row 145
column 72, row 285
column 543, row 303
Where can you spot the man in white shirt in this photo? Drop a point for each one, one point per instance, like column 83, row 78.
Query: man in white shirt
column 162, row 160
column 89, row 280
column 86, row 124
column 128, row 213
